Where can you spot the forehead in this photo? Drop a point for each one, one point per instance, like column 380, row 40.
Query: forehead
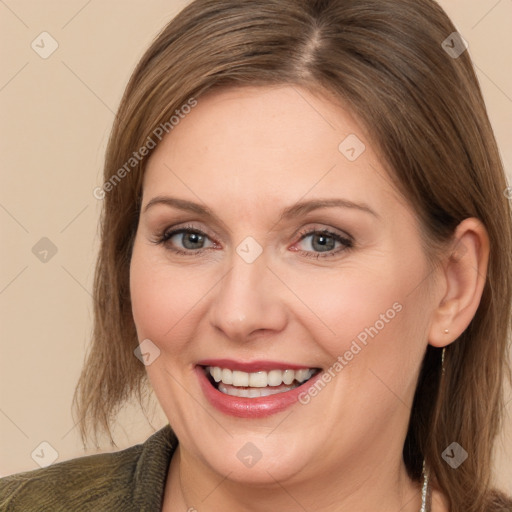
column 266, row 146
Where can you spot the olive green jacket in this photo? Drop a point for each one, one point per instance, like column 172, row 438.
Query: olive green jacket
column 127, row 480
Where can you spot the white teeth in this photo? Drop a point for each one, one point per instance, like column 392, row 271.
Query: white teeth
column 302, row 375
column 253, row 392
column 273, row 378
column 240, row 378
column 258, row 380
column 216, row 373
column 290, row 375
column 227, row 376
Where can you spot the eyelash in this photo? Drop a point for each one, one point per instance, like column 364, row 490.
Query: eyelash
column 348, row 243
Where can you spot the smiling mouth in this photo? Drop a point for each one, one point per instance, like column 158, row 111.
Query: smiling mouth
column 257, row 384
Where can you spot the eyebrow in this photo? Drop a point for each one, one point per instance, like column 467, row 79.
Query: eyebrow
column 304, row 207
column 295, row 210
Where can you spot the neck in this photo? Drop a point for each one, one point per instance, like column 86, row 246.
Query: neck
column 384, row 487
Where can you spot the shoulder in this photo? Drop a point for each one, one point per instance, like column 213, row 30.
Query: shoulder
column 72, row 480
column 108, row 481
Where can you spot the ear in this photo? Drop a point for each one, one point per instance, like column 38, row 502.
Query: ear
column 463, row 279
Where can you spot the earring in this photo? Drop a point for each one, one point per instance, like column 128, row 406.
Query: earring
column 442, row 360
column 446, row 331
column 425, row 490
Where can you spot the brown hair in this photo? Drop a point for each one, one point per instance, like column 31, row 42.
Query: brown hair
column 424, row 110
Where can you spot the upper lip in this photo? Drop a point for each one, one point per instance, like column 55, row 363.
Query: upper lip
column 253, row 366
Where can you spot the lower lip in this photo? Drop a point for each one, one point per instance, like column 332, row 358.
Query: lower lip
column 250, row 407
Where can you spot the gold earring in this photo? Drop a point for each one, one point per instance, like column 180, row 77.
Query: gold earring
column 446, row 331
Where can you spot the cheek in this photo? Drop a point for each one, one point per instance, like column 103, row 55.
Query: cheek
column 166, row 299
column 374, row 315
column 158, row 297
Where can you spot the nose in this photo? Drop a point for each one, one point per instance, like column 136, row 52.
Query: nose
column 248, row 301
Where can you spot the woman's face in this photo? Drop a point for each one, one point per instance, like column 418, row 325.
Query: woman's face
column 266, row 281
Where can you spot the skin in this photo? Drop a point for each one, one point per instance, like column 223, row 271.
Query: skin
column 248, row 153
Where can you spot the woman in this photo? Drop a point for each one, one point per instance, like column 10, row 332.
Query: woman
column 306, row 242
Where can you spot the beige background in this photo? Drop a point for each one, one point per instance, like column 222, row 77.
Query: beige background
column 56, row 117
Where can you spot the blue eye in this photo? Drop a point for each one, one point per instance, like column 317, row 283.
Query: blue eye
column 324, row 242
column 191, row 239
